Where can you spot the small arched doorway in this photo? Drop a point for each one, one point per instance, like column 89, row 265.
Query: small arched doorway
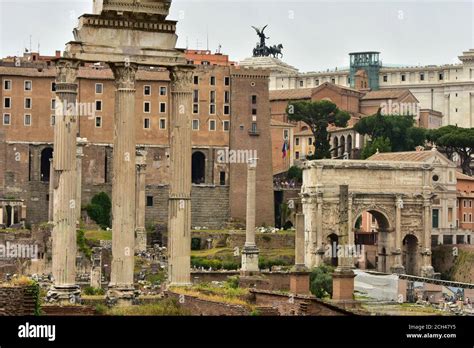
column 198, row 168
column 46, row 155
column 410, row 248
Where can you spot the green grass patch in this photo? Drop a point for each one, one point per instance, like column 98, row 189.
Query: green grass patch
column 98, row 235
column 167, row 307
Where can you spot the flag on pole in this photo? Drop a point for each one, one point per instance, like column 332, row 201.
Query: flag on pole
column 286, row 148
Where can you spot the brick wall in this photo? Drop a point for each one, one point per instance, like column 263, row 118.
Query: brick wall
column 296, row 305
column 200, row 307
column 16, row 301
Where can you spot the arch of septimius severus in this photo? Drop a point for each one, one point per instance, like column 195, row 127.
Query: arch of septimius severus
column 124, row 34
column 398, row 194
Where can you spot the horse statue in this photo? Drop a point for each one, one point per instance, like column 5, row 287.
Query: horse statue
column 276, row 51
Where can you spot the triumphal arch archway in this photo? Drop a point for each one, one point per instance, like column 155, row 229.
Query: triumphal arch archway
column 398, row 195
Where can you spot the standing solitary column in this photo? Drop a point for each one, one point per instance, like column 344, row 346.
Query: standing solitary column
column 299, row 275
column 179, row 203
column 427, row 269
column 398, row 266
column 123, row 185
column 250, row 251
column 140, row 231
column 64, row 198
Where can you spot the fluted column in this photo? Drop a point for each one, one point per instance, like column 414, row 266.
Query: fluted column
column 250, row 251
column 427, row 269
column 81, row 143
column 398, row 267
column 64, row 197
column 179, row 203
column 140, row 231
column 123, row 183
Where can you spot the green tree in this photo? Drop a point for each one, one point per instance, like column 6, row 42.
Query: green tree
column 400, row 130
column 99, row 209
column 378, row 144
column 321, row 281
column 318, row 115
column 295, row 173
column 454, row 139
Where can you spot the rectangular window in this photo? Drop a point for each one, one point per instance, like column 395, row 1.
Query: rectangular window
column 212, row 125
column 213, row 81
column 254, row 127
column 226, row 97
column 254, row 99
column 7, row 120
column 385, row 78
column 286, row 134
column 149, row 201
column 195, row 108
column 441, row 76
column 53, row 120
column 212, row 109
column 163, row 90
column 297, row 141
column 7, row 103
column 146, row 90
column 254, row 112
column 196, row 96
column 146, row 123
column 98, row 122
column 196, row 80
column 226, row 109
column 195, row 124
column 53, row 104
column 27, row 120
column 310, row 141
column 333, row 80
column 98, row 105
column 28, row 85
column 222, row 178
column 227, row 81
column 297, row 155
column 146, row 107
column 99, row 88
column 316, row 82
column 53, row 86
column 435, row 218
column 162, row 123
column 28, row 103
column 7, row 85
column 450, row 214
column 212, row 97
column 422, row 77
column 403, row 77
column 226, row 125
column 162, row 108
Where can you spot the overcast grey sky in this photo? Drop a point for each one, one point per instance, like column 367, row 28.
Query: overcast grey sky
column 316, row 35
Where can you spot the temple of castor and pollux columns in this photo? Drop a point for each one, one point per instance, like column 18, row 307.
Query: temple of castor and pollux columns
column 128, row 34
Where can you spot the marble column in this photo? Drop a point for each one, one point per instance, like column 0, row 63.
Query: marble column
column 140, row 230
column 179, row 203
column 427, row 269
column 398, row 266
column 64, row 164
column 1, row 215
column 250, row 251
column 299, row 275
column 51, row 191
column 81, row 143
column 121, row 288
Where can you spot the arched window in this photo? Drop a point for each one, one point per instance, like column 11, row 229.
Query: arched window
column 336, row 147
column 198, row 168
column 46, row 155
column 349, row 145
column 343, row 145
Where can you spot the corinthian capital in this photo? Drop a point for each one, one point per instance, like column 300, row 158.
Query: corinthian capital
column 181, row 79
column 125, row 74
column 66, row 70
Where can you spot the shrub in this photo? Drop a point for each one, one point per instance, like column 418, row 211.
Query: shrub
column 82, row 245
column 321, row 281
column 90, row 291
column 99, row 210
column 295, row 173
column 195, row 243
column 233, row 282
